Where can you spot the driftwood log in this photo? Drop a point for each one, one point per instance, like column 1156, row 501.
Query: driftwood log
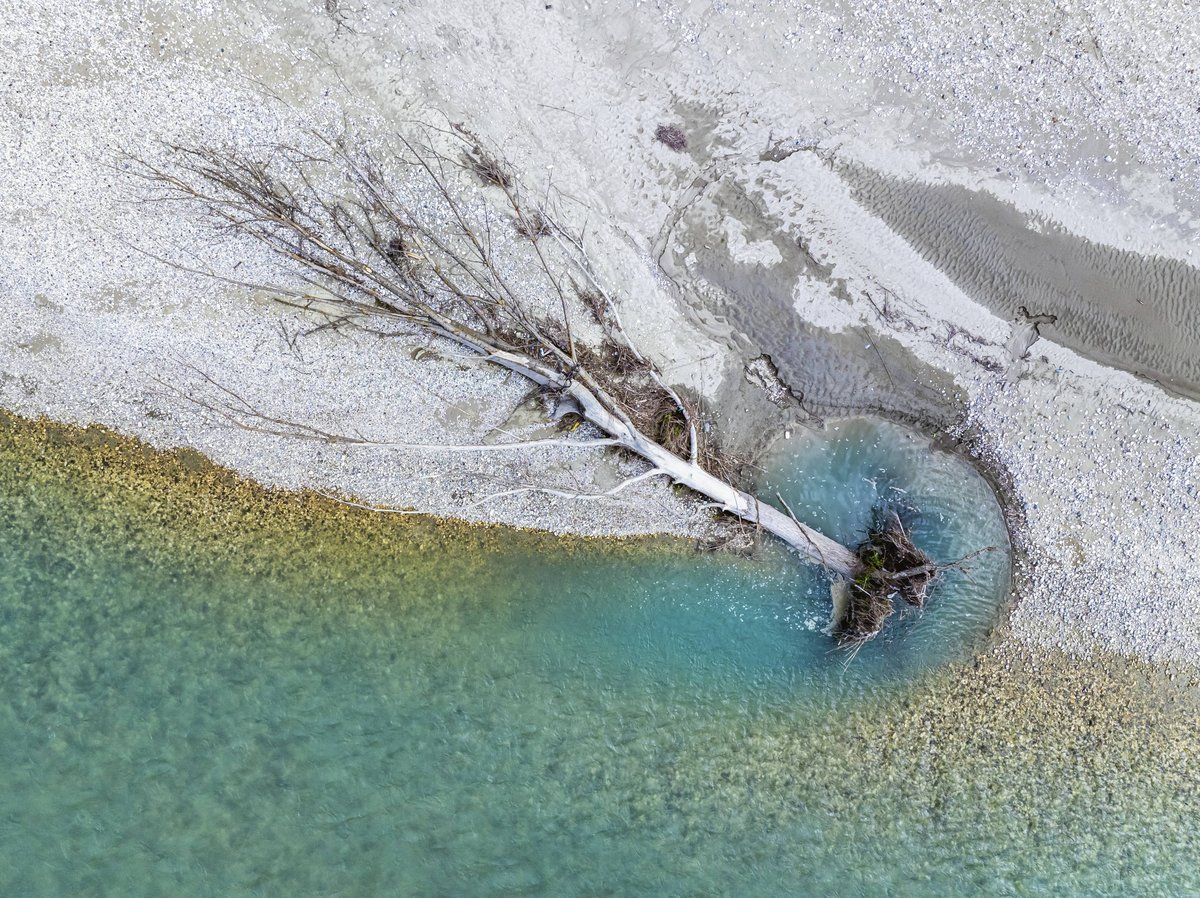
column 414, row 238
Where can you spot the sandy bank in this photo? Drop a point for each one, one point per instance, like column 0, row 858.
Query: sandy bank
column 859, row 306
column 1116, row 306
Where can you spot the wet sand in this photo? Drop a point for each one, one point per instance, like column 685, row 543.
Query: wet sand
column 1121, row 308
column 857, row 369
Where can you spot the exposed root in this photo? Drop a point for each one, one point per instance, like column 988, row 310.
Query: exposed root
column 890, row 566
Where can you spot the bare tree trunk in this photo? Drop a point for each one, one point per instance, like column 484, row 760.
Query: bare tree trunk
column 596, row 407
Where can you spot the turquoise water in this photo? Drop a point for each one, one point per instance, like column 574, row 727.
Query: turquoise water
column 567, row 722
column 834, row 479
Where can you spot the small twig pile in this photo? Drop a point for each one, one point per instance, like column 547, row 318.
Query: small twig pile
column 533, row 226
column 596, row 303
column 488, row 169
column 665, row 417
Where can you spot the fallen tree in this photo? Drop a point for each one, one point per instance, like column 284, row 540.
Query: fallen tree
column 435, row 237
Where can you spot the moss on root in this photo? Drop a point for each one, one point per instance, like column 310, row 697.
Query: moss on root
column 890, row 566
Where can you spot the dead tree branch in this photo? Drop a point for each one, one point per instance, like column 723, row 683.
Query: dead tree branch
column 571, row 494
column 399, row 237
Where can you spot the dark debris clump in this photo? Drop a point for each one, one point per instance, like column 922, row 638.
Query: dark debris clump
column 890, row 565
column 671, row 137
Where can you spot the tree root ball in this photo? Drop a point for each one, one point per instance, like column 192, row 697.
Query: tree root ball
column 890, row 566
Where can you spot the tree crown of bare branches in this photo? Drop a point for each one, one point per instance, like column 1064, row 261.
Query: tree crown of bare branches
column 400, row 238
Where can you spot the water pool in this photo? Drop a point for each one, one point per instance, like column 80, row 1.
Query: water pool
column 835, row 478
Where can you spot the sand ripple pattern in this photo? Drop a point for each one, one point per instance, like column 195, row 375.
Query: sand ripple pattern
column 1121, row 308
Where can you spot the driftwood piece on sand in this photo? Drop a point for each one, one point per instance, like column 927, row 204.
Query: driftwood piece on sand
column 393, row 243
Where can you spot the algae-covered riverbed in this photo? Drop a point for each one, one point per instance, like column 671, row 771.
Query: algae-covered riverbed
column 210, row 689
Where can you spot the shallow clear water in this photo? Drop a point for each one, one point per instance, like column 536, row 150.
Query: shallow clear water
column 569, row 721
column 834, row 479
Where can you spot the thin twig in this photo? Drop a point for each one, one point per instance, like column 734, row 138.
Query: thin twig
column 571, row 494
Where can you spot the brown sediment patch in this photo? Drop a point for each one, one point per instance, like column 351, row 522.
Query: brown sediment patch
column 1026, row 754
column 178, row 510
column 1016, row 707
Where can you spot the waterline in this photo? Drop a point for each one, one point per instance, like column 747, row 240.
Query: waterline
column 212, row 691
